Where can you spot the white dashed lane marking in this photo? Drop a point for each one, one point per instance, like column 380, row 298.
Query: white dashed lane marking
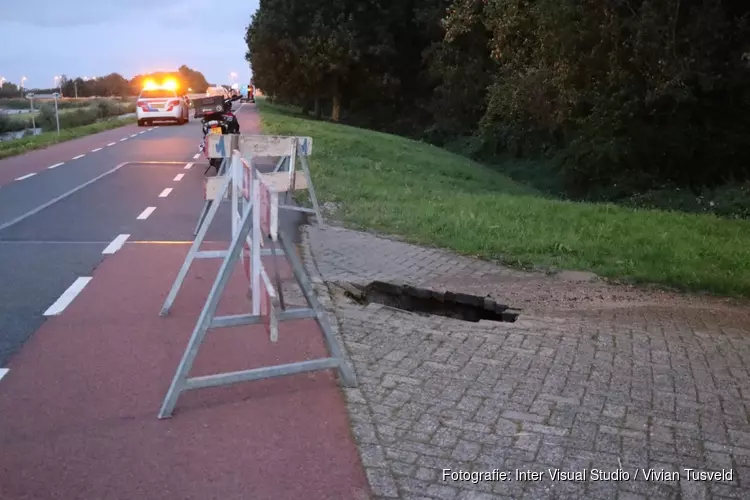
column 111, row 144
column 179, row 177
column 95, row 150
column 3, row 372
column 165, row 193
column 123, row 139
column 144, row 215
column 187, row 167
column 116, row 244
column 79, row 156
column 26, row 176
column 197, row 155
column 55, row 165
column 67, row 297
column 133, row 135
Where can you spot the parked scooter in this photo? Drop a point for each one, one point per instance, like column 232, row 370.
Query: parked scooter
column 222, row 122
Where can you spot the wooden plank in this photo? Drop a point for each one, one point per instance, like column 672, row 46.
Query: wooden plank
column 212, row 187
column 221, row 146
column 279, row 181
column 272, row 145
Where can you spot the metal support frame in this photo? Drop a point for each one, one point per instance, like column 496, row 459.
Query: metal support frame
column 207, row 319
column 210, row 210
column 207, row 204
column 291, row 163
column 232, row 178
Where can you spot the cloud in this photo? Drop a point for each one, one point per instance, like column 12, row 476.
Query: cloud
column 129, row 37
column 54, row 13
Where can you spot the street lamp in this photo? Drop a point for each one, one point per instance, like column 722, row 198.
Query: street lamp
column 23, row 79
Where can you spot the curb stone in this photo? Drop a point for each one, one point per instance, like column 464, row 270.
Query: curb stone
column 381, row 479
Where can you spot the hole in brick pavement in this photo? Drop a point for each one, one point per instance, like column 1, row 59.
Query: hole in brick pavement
column 459, row 306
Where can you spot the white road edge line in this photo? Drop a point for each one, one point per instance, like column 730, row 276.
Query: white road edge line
column 187, row 166
column 123, row 139
column 116, row 244
column 111, row 144
column 25, row 176
column 165, row 193
column 179, row 177
column 67, row 297
column 61, row 197
column 95, row 150
column 55, row 165
column 144, row 215
column 3, row 372
column 79, row 156
column 196, row 156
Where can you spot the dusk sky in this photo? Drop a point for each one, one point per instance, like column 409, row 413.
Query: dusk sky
column 45, row 38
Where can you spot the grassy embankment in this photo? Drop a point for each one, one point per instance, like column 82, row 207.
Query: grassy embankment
column 433, row 197
column 26, row 144
column 78, row 118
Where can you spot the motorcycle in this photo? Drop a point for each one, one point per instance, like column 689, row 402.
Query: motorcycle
column 222, row 122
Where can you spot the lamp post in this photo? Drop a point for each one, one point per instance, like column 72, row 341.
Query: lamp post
column 30, row 95
column 23, row 79
column 57, row 112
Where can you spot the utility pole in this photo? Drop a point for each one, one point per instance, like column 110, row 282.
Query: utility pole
column 75, row 86
column 30, row 95
column 57, row 112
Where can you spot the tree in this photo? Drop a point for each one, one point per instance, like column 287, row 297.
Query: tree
column 636, row 93
column 187, row 77
column 9, row 90
column 193, row 79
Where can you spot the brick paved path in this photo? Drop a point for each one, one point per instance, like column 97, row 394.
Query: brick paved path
column 592, row 376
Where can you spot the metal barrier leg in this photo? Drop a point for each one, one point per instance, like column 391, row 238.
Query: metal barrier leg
column 348, row 378
column 202, row 216
column 193, row 251
column 207, row 314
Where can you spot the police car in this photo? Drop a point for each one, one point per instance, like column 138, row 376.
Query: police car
column 161, row 103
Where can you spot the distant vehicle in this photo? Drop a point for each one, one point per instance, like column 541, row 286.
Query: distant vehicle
column 219, row 90
column 216, row 117
column 248, row 93
column 161, row 103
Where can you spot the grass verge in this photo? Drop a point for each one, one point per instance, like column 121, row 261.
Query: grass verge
column 26, row 144
column 430, row 196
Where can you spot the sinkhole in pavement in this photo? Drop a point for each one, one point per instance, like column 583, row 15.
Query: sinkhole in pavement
column 459, row 306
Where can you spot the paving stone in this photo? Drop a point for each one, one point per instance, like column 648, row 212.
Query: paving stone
column 591, row 375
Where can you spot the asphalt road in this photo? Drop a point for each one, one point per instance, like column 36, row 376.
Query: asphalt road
column 56, row 222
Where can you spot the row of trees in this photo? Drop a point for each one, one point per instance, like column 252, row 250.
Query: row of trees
column 113, row 85
column 621, row 95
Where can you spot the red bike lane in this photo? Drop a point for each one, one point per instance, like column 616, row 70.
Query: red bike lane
column 78, row 409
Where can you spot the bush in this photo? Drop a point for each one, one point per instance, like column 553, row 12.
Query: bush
column 729, row 201
column 95, row 111
column 5, row 124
